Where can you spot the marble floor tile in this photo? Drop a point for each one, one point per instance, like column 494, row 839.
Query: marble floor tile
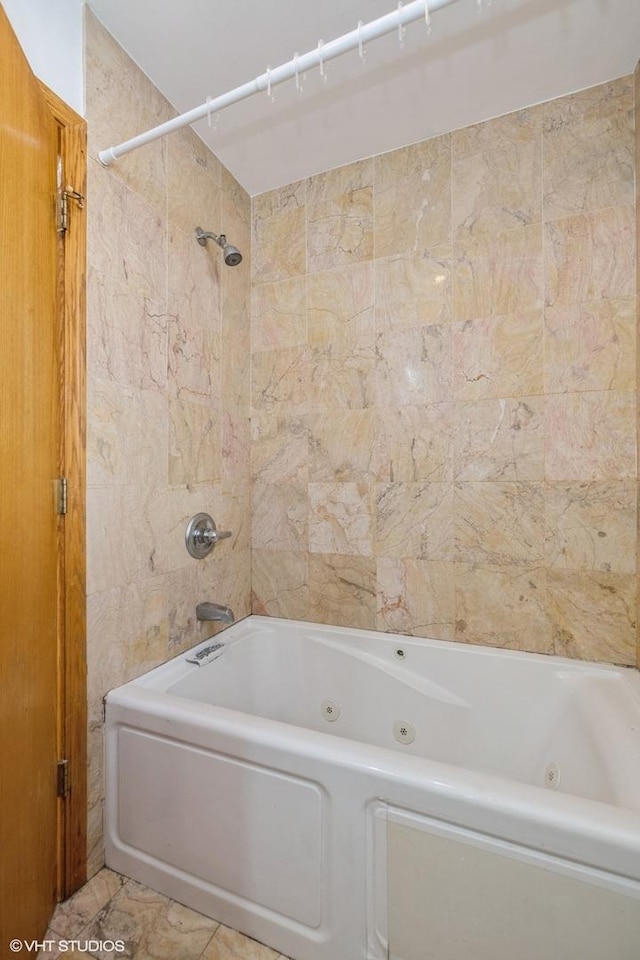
column 152, row 926
column 76, row 912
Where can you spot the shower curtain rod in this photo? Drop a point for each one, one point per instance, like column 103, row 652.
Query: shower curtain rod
column 324, row 52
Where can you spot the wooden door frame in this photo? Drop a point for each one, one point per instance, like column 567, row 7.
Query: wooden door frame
column 72, row 586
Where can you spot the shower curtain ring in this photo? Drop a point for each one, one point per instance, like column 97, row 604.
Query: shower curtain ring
column 271, row 94
column 362, row 53
column 299, row 85
column 214, row 124
column 427, row 16
column 401, row 29
column 323, row 72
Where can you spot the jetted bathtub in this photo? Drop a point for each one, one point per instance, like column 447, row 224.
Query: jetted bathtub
column 341, row 794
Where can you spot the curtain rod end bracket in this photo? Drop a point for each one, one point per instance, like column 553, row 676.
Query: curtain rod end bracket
column 106, row 157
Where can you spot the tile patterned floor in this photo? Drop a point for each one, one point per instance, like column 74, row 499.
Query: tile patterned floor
column 153, row 927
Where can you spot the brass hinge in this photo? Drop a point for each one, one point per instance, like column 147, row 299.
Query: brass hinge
column 63, row 207
column 63, row 502
column 63, row 779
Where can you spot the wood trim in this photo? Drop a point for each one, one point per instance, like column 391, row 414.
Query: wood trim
column 73, row 679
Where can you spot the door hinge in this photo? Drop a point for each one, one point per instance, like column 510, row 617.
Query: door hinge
column 63, row 778
column 63, row 503
column 63, row 207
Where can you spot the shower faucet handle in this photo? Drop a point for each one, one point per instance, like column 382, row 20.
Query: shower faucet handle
column 213, row 536
column 202, row 535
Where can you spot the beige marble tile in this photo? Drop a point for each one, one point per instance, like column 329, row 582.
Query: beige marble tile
column 341, row 518
column 195, row 443
column 234, row 371
column 279, row 233
column 279, row 447
column 416, row 597
column 342, row 336
column 515, row 133
column 414, row 289
column 593, row 615
column 414, row 366
column 280, row 377
column 414, row 520
column 499, row 522
column 496, row 186
column 233, row 512
column 195, row 320
column 340, row 216
column 502, row 606
column 591, row 346
column 186, row 587
column 279, row 314
column 590, row 256
column 73, row 914
column 341, row 317
column 171, row 509
column 413, row 198
column 588, row 143
column 342, row 590
column 264, row 206
column 498, row 357
column 120, row 102
column 127, row 635
column 95, row 793
column 229, row 582
column 95, row 839
column 228, row 944
column 342, row 381
column 414, row 443
column 236, row 446
column 235, row 200
column 279, row 516
column 590, row 436
column 341, row 445
column 194, row 176
column 122, row 537
column 126, row 292
column 151, row 926
column 279, row 583
column 499, row 439
column 126, row 435
column 497, row 285
column 592, row 526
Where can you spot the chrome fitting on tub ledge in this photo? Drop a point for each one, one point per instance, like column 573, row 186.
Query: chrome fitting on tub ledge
column 206, row 655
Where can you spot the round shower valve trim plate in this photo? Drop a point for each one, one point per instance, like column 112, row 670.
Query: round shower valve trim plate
column 202, row 535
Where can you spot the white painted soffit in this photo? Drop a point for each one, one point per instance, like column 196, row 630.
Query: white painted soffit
column 478, row 62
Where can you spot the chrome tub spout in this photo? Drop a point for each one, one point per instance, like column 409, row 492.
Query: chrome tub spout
column 214, row 611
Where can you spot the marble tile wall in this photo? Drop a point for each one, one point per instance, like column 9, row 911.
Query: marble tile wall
column 168, row 384
column 444, row 386
column 637, row 172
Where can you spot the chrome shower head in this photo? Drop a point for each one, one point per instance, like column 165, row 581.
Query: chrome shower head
column 232, row 256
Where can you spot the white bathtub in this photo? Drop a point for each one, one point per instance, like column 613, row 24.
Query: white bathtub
column 268, row 790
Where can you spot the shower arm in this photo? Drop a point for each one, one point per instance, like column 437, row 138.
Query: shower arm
column 203, row 235
column 354, row 40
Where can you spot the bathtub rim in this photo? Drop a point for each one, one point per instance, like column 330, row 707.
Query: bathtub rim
column 176, row 667
column 590, row 833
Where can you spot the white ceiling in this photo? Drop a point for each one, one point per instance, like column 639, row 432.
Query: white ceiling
column 478, row 62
